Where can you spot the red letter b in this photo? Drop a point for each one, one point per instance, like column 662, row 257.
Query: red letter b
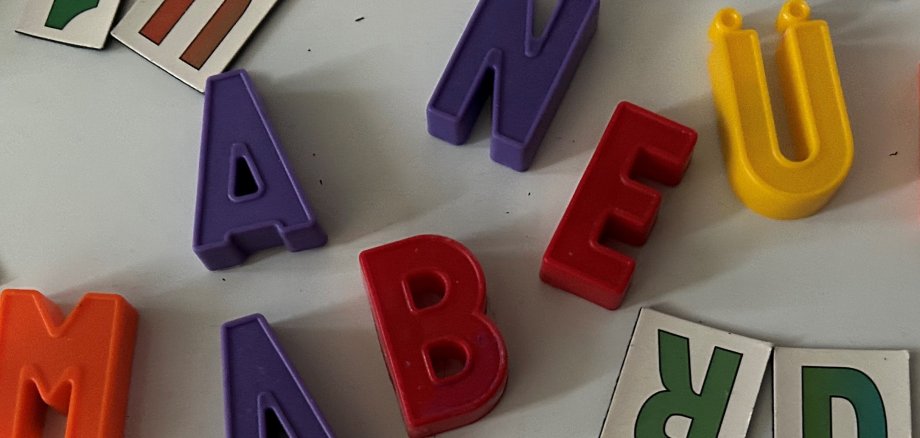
column 447, row 360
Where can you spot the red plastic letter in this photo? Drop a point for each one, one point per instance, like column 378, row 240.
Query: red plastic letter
column 610, row 205
column 447, row 360
column 80, row 366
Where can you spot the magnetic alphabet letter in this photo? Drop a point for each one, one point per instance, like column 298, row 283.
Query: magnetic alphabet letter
column 261, row 386
column 80, row 366
column 610, row 205
column 527, row 76
column 248, row 198
column 446, row 359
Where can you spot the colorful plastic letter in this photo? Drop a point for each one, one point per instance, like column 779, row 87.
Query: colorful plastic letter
column 527, row 76
column 609, row 204
column 261, row 383
column 186, row 42
column 446, row 359
column 80, row 366
column 248, row 197
column 764, row 179
column 661, row 374
column 824, row 393
column 54, row 20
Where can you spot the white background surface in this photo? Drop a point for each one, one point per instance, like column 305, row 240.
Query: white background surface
column 98, row 157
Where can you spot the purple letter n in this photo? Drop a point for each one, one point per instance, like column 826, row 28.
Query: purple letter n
column 527, row 76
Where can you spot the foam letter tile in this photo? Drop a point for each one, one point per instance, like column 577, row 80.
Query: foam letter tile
column 83, row 23
column 766, row 180
column 611, row 205
column 263, row 393
column 446, row 359
column 248, row 197
column 192, row 40
column 684, row 379
column 80, row 366
column 852, row 393
column 527, row 76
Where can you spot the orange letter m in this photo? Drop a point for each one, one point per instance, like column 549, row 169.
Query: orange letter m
column 80, row 366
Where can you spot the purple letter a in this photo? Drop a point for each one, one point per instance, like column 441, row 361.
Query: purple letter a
column 263, row 395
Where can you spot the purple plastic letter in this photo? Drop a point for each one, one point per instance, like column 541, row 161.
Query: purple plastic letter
column 259, row 380
column 527, row 76
column 248, row 197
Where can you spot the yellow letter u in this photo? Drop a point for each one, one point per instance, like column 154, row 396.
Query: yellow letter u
column 764, row 179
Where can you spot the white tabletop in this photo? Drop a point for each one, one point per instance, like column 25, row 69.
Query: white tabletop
column 99, row 155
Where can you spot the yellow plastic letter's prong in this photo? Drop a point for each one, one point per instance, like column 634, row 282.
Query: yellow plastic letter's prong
column 726, row 20
column 766, row 180
column 794, row 11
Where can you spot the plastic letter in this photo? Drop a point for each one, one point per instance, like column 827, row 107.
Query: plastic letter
column 446, row 359
column 259, row 379
column 248, row 198
column 80, row 366
column 527, row 76
column 764, row 179
column 609, row 204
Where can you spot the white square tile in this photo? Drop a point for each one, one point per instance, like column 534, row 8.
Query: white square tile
column 843, row 388
column 679, row 377
column 191, row 40
column 76, row 22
